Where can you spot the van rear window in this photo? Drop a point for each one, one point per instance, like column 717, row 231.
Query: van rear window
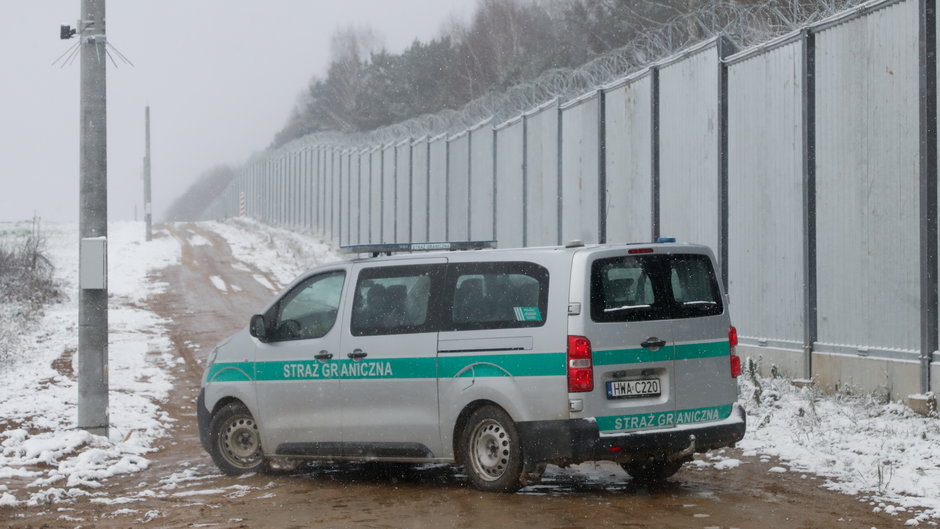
column 654, row 287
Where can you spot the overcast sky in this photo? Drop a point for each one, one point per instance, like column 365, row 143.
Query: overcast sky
column 220, row 76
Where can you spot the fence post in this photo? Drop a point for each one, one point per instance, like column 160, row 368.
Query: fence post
column 654, row 152
column 928, row 187
column 810, row 323
column 558, row 155
column 601, row 166
column 725, row 48
column 525, row 180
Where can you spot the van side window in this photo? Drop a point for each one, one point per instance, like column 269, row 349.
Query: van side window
column 496, row 295
column 394, row 300
column 309, row 310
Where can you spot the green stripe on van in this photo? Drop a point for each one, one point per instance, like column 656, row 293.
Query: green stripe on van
column 517, row 365
column 494, row 365
column 663, row 419
column 694, row 351
column 688, row 351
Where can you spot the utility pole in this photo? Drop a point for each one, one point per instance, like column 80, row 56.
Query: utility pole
column 147, row 208
column 93, row 223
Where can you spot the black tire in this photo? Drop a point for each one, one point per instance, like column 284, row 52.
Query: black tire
column 491, row 451
column 653, row 470
column 234, row 440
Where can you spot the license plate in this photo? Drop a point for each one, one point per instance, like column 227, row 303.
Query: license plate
column 625, row 389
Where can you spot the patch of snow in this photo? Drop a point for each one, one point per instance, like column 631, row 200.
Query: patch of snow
column 264, row 282
column 218, row 283
column 197, row 240
column 882, row 451
column 283, row 253
column 39, row 440
column 728, row 463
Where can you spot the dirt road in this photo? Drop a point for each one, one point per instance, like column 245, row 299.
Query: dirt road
column 212, row 294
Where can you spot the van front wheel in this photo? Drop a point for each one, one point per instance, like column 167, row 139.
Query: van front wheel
column 492, row 453
column 234, row 440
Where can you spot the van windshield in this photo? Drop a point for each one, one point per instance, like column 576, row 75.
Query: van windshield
column 653, row 287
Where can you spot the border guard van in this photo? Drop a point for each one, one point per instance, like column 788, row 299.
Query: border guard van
column 502, row 361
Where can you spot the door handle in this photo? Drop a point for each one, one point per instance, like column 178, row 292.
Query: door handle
column 323, row 356
column 357, row 354
column 653, row 343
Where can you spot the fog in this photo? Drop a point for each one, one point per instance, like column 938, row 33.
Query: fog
column 221, row 77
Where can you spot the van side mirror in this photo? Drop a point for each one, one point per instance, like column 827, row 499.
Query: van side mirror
column 258, row 328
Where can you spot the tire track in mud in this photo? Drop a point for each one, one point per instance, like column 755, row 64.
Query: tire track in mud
column 182, row 488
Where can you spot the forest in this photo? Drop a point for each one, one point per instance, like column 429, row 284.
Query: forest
column 504, row 43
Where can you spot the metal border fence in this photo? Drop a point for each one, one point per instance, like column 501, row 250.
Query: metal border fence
column 808, row 163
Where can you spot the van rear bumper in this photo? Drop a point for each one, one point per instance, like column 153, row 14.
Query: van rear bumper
column 577, row 440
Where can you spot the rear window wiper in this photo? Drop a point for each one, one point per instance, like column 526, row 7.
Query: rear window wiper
column 628, row 307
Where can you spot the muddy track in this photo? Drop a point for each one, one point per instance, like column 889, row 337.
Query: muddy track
column 183, row 489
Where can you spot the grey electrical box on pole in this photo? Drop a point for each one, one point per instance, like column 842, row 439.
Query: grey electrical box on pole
column 147, row 208
column 93, row 223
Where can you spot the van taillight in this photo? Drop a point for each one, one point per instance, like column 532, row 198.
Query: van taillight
column 732, row 346
column 580, row 367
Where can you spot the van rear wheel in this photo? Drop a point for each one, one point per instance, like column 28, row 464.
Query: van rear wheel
column 234, row 440
column 491, row 451
column 652, row 470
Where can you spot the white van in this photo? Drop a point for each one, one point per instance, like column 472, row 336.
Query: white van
column 502, row 361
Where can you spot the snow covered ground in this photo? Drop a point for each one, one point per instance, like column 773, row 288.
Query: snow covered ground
column 283, row 253
column 39, row 443
column 882, row 452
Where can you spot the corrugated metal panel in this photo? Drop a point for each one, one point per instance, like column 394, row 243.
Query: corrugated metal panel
column 275, row 188
column 541, row 153
column 419, row 191
column 302, row 168
column 321, row 187
column 867, row 181
column 297, row 191
column 375, row 199
column 403, row 192
column 765, row 180
column 629, row 124
column 365, row 195
column 689, row 149
column 458, row 188
column 288, row 175
column 286, row 188
column 388, row 193
column 509, row 186
column 344, row 190
column 309, row 187
column 281, row 195
column 579, row 170
column 337, row 207
column 301, row 176
column 437, row 190
column 355, row 212
column 481, row 183
column 331, row 186
column 281, row 186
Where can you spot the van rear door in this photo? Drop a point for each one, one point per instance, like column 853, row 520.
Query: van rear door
column 648, row 311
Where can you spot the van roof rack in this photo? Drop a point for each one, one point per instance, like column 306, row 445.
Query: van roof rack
column 399, row 247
